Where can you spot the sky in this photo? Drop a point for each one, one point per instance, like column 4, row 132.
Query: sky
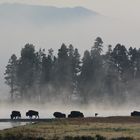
column 124, row 9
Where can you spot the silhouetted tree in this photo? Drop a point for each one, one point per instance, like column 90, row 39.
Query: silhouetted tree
column 47, row 74
column 47, row 63
column 121, row 60
column 97, row 68
column 74, row 69
column 11, row 75
column 111, row 78
column 85, row 79
column 62, row 71
column 27, row 70
column 120, row 56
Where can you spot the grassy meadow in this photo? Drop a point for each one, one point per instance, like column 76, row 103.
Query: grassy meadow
column 60, row 129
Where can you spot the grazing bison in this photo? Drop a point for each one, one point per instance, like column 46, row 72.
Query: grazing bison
column 15, row 115
column 76, row 114
column 32, row 113
column 59, row 115
column 135, row 113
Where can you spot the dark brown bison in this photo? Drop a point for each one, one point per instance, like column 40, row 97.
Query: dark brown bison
column 135, row 113
column 59, row 115
column 76, row 114
column 15, row 115
column 32, row 113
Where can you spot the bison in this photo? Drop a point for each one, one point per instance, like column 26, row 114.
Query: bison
column 76, row 114
column 135, row 113
column 32, row 113
column 59, row 115
column 15, row 115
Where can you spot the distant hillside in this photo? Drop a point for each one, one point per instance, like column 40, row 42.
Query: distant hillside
column 32, row 13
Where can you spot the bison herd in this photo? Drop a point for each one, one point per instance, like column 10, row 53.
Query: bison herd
column 73, row 114
column 35, row 114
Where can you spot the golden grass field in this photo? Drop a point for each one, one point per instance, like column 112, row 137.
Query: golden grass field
column 109, row 127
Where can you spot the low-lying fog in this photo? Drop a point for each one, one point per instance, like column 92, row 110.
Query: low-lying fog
column 47, row 110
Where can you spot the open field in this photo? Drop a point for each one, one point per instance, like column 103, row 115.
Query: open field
column 109, row 127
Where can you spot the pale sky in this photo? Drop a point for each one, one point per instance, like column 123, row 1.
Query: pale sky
column 124, row 9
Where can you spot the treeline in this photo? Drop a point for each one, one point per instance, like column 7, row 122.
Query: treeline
column 96, row 77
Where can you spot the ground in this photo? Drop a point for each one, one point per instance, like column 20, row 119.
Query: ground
column 109, row 127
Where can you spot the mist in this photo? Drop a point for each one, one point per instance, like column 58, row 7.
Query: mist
column 81, row 33
column 46, row 110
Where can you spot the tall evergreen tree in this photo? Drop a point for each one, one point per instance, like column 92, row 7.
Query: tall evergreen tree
column 133, row 58
column 76, row 70
column 111, row 78
column 47, row 63
column 11, row 75
column 27, row 70
column 121, row 61
column 120, row 55
column 74, row 65
column 63, row 65
column 97, row 68
column 85, row 79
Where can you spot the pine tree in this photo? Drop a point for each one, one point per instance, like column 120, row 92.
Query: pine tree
column 26, row 71
column 11, row 75
column 85, row 79
column 111, row 78
column 97, row 68
column 74, row 65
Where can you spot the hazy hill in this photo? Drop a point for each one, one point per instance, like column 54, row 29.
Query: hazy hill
column 42, row 14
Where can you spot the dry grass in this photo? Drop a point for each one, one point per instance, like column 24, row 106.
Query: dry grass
column 107, row 127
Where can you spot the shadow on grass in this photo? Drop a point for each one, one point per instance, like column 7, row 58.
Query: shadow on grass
column 9, row 136
column 97, row 137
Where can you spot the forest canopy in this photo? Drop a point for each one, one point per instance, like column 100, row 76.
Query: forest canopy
column 39, row 76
